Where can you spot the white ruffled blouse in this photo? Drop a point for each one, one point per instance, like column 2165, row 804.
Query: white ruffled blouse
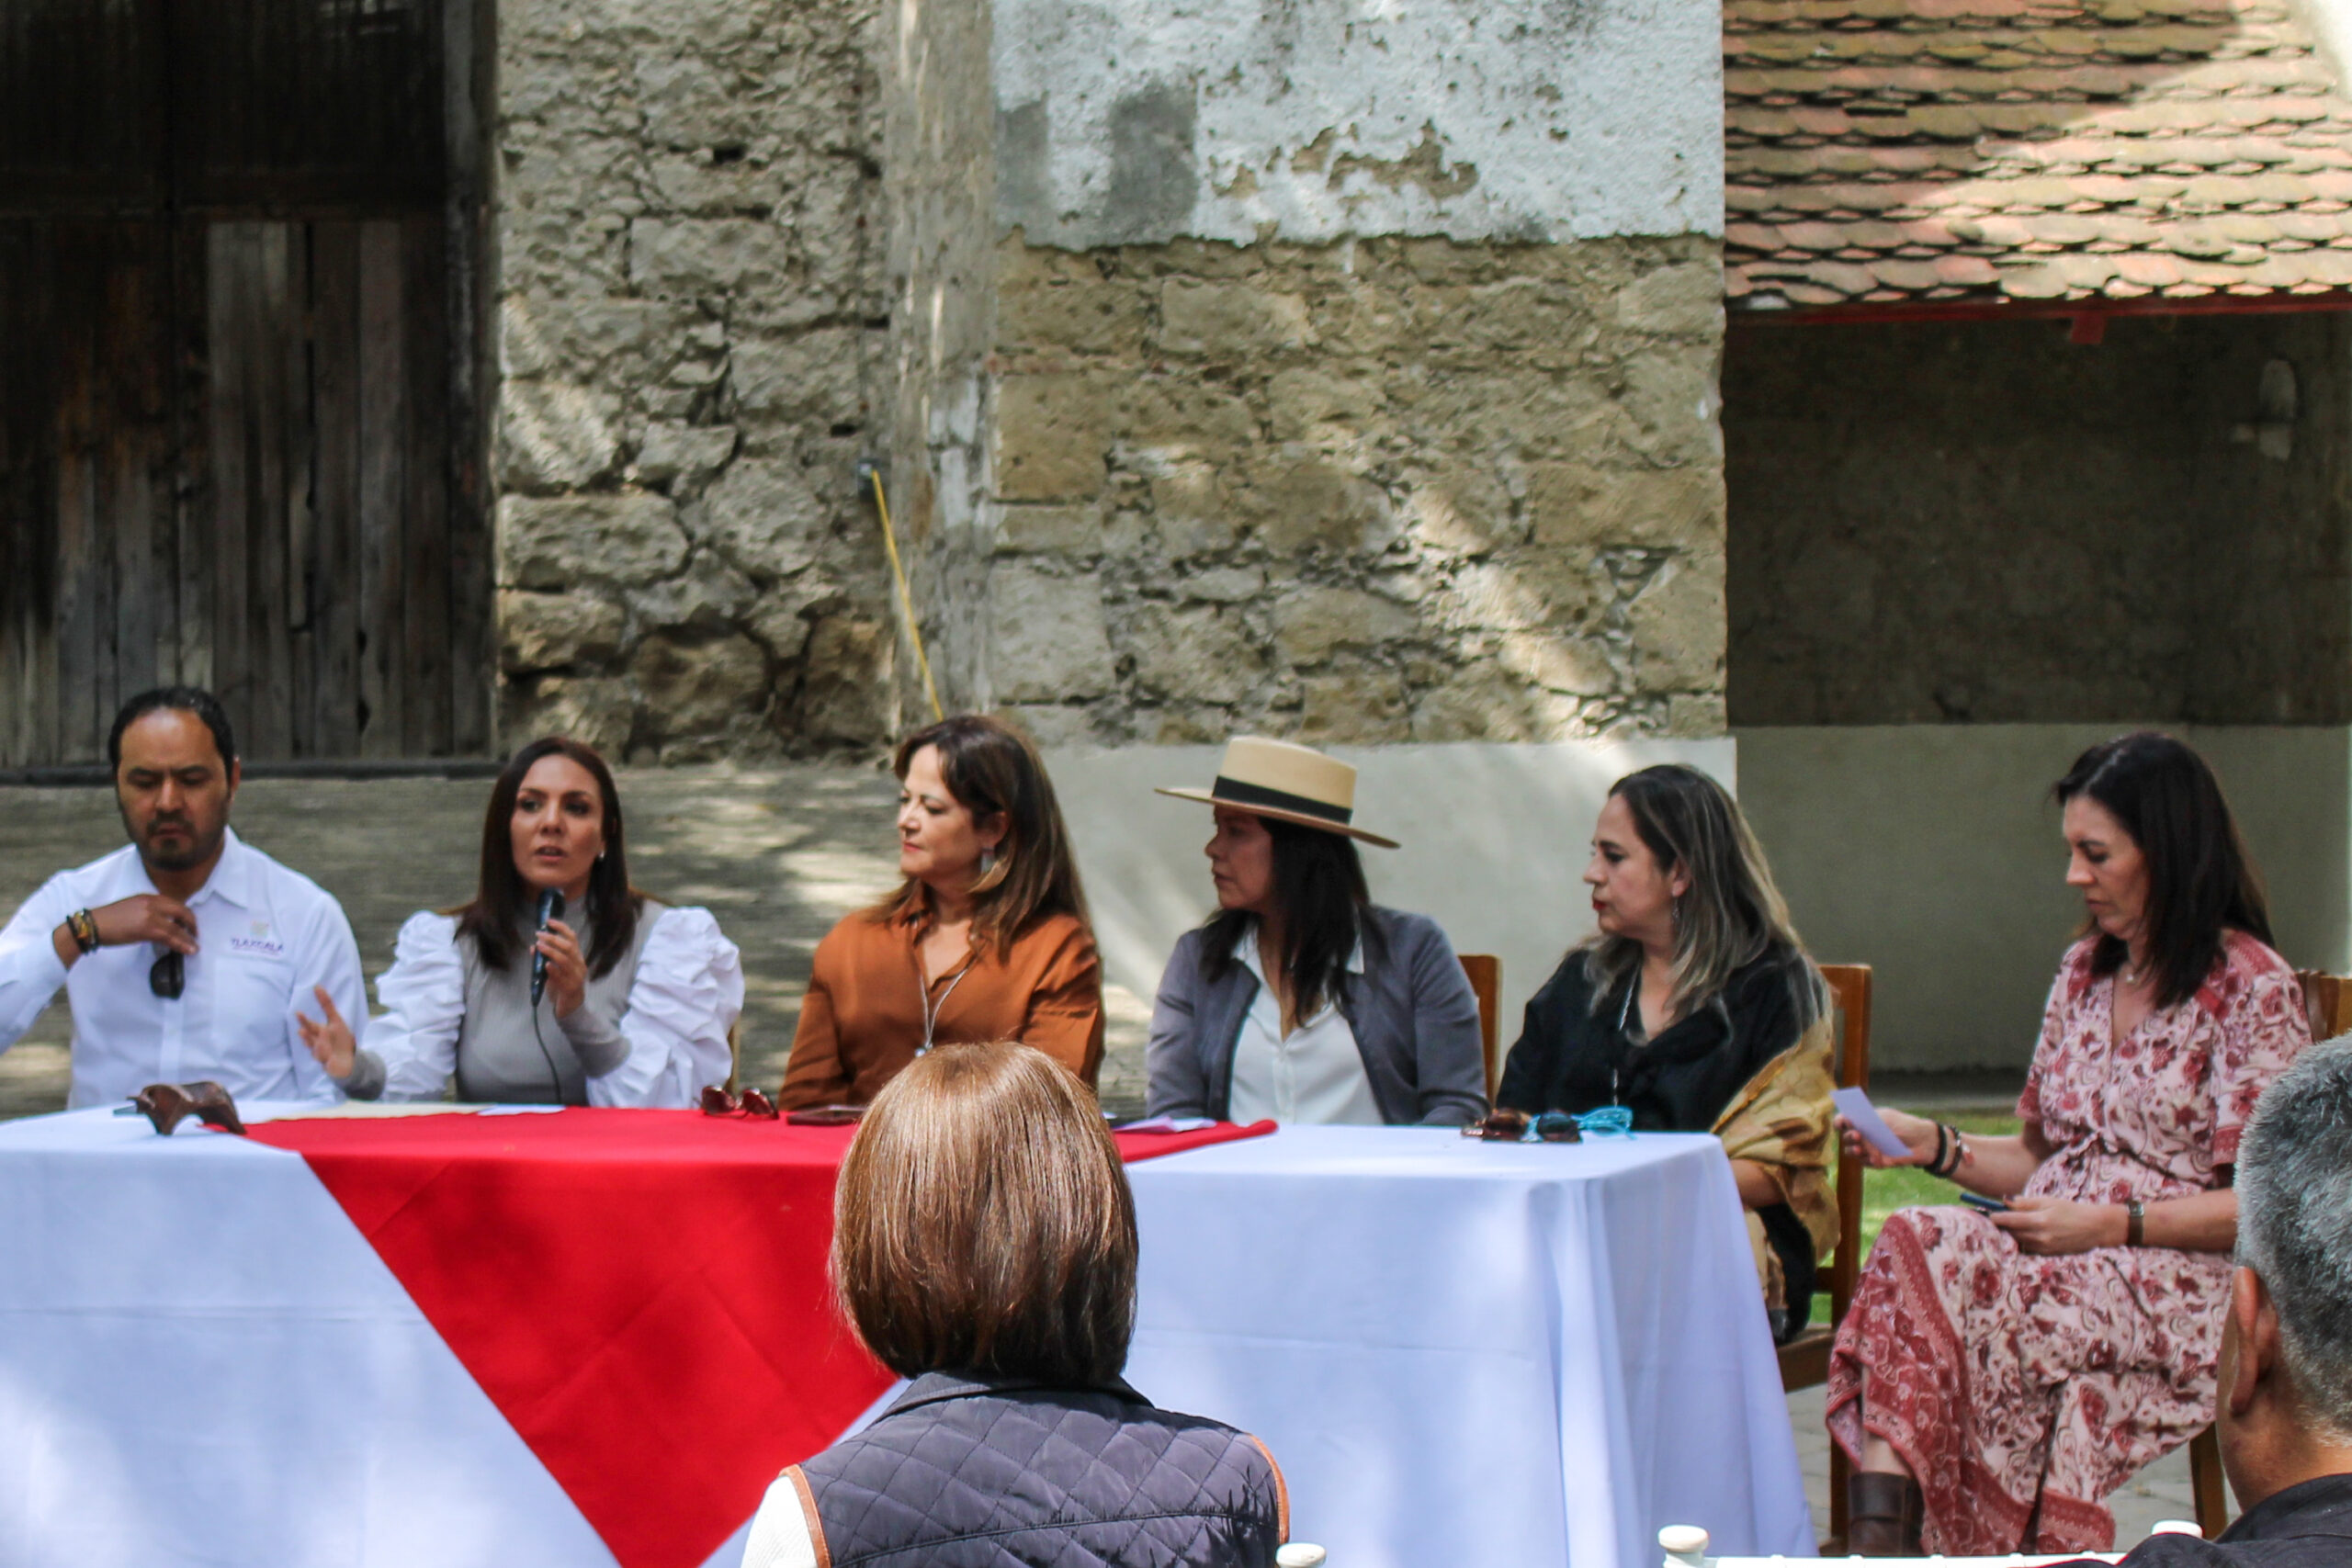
column 686, row 996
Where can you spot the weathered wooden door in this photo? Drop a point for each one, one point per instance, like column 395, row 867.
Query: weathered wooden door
column 240, row 434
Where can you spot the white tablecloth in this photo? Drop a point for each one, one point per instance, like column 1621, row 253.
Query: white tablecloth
column 1461, row 1353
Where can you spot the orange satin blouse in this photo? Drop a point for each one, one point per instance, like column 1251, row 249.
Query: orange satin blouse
column 862, row 1018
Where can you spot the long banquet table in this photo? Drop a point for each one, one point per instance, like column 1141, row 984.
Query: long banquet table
column 1462, row 1353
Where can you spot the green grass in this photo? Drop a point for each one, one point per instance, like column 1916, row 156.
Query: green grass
column 1883, row 1191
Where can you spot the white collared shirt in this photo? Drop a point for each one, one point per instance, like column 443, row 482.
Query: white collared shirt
column 265, row 936
column 1315, row 1076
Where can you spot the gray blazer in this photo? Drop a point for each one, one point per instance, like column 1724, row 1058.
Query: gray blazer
column 1411, row 1010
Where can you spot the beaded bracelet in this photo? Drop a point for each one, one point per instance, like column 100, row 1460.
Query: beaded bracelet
column 83, row 926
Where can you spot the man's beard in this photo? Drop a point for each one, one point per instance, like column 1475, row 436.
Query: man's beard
column 200, row 846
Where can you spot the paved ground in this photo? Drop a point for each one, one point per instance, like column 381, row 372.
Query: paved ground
column 778, row 854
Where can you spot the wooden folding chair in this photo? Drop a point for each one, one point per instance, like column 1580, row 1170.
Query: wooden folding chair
column 1804, row 1360
column 2327, row 1002
column 1486, row 974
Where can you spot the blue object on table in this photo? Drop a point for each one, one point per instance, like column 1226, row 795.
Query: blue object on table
column 1609, row 1121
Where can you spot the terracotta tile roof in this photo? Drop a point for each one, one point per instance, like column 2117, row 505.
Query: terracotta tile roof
column 1906, row 151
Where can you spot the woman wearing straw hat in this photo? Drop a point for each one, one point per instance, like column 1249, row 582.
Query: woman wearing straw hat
column 1300, row 999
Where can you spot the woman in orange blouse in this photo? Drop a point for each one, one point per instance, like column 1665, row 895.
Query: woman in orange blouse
column 986, row 939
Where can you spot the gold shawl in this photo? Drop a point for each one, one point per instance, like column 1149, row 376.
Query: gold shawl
column 1780, row 1119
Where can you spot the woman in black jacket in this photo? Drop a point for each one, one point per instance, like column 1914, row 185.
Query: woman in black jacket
column 1695, row 1008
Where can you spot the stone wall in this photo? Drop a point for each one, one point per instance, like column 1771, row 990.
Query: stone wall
column 938, row 186
column 1379, row 490
column 1269, row 365
column 691, row 360
column 1334, row 374
column 1982, row 521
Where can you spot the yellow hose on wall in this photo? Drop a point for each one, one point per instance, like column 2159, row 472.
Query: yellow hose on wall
column 905, row 600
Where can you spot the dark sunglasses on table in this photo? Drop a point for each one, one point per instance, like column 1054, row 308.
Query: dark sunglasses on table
column 716, row 1101
column 168, row 979
column 1513, row 1126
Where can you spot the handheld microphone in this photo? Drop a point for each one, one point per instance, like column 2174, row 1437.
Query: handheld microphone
column 551, row 908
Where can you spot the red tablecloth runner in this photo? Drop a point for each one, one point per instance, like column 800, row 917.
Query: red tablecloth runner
column 640, row 1292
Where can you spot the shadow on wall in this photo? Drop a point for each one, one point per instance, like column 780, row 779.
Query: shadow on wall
column 1932, row 852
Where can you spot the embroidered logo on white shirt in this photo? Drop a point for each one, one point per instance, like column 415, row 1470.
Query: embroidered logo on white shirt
column 258, row 943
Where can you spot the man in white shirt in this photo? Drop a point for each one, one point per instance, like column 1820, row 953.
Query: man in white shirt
column 185, row 953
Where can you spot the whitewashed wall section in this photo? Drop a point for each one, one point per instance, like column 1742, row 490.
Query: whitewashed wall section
column 1537, row 121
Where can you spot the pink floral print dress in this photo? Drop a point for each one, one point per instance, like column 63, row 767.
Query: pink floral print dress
column 2022, row 1390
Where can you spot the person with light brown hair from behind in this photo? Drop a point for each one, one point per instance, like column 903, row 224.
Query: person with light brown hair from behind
column 985, row 939
column 984, row 1246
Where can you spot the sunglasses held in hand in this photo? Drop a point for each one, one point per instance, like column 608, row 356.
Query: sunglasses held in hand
column 716, row 1101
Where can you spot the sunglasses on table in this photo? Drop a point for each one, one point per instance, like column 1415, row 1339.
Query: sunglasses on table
column 1516, row 1126
column 716, row 1101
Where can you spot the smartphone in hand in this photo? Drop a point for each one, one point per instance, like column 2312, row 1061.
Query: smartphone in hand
column 1983, row 1205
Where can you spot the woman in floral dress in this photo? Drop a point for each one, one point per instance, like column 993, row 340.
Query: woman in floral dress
column 1998, row 1375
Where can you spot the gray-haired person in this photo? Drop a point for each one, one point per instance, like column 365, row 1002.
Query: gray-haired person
column 2286, row 1368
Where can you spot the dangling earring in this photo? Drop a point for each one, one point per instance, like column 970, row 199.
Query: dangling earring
column 987, row 861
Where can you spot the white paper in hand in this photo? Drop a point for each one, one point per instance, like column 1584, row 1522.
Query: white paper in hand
column 1863, row 1117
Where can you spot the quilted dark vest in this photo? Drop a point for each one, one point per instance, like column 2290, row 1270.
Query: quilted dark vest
column 970, row 1472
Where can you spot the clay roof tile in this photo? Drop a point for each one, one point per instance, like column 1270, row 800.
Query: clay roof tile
column 2038, row 148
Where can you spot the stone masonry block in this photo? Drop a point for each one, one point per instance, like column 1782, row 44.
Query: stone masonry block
column 1300, row 501
column 1463, row 507
column 550, row 631
column 553, row 336
column 556, row 542
column 700, row 257
column 1048, row 640
column 555, row 435
column 1318, row 402
column 1194, row 514
column 1684, row 300
column 812, row 374
column 1673, row 401
column 1229, row 320
column 1176, row 417
column 1106, row 318
column 1577, row 504
column 1075, row 531
column 597, row 709
column 846, row 694
column 1353, row 708
column 1195, row 653
column 693, row 687
column 1310, row 622
column 689, row 101
column 1484, row 701
column 1678, row 626
column 688, row 454
column 766, row 516
column 1577, row 665
column 1050, row 437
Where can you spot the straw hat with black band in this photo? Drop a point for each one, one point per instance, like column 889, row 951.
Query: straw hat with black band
column 1287, row 782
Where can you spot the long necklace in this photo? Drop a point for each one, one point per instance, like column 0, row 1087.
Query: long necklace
column 931, row 1012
